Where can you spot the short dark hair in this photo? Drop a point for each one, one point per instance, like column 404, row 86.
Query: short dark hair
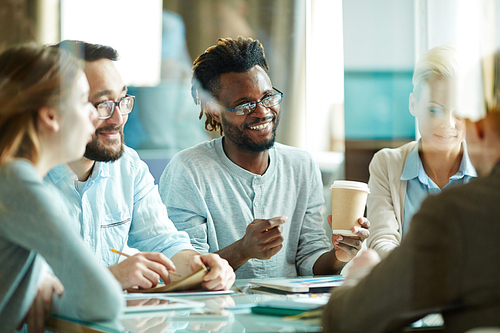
column 88, row 51
column 227, row 56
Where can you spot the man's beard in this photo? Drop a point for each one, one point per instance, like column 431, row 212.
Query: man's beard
column 243, row 141
column 96, row 152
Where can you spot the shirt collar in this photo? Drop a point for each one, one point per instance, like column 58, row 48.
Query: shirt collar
column 466, row 167
column 414, row 168
column 412, row 164
column 101, row 169
column 60, row 172
column 245, row 174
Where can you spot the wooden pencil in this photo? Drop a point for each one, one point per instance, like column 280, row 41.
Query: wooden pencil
column 128, row 256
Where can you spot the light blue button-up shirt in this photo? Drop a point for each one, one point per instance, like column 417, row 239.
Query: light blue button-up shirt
column 119, row 204
column 419, row 185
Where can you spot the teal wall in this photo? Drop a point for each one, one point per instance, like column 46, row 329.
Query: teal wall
column 376, row 105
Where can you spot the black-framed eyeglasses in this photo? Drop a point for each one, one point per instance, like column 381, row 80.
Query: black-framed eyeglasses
column 105, row 109
column 268, row 102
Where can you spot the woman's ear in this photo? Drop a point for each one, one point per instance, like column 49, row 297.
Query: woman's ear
column 47, row 118
column 213, row 110
column 411, row 104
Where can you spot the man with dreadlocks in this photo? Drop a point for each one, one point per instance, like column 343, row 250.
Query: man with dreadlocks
column 244, row 196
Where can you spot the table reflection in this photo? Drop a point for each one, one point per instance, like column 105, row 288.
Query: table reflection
column 223, row 313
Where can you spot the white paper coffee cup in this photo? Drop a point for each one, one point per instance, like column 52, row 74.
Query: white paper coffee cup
column 348, row 205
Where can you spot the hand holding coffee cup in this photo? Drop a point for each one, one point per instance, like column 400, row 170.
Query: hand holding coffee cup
column 348, row 205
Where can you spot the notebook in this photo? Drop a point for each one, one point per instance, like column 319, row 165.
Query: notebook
column 301, row 284
column 192, row 281
column 155, row 303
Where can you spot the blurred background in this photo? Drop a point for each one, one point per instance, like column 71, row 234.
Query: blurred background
column 345, row 67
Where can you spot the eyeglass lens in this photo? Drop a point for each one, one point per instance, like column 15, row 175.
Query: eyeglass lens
column 106, row 108
column 268, row 101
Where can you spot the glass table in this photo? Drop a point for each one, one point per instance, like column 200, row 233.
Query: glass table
column 221, row 313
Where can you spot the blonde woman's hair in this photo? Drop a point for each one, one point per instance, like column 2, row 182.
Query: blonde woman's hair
column 31, row 77
column 440, row 61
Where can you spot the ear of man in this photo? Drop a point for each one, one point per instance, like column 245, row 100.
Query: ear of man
column 48, row 118
column 493, row 118
column 479, row 129
column 488, row 128
column 483, row 142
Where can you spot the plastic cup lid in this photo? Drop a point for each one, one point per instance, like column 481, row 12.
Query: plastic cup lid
column 351, row 185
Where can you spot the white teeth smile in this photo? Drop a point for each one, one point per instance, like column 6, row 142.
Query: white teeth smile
column 259, row 127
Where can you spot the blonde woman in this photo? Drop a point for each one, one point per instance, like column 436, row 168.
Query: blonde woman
column 45, row 120
column 401, row 178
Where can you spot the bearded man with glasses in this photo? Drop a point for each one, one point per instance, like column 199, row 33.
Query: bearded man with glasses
column 254, row 202
column 113, row 195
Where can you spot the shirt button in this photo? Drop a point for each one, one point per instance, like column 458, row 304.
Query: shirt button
column 88, row 238
column 255, row 181
column 256, row 204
